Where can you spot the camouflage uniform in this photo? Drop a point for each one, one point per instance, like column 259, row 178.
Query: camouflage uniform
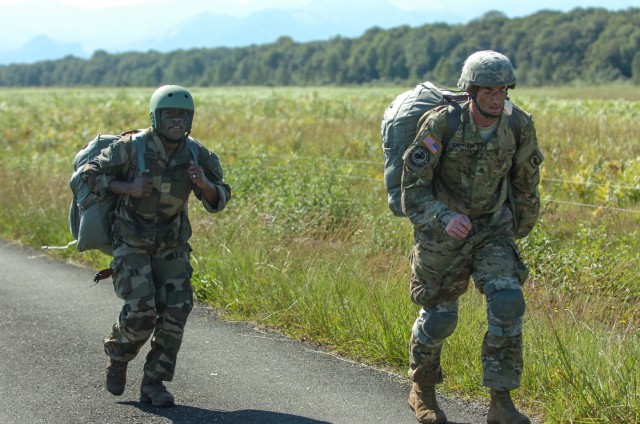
column 470, row 177
column 151, row 264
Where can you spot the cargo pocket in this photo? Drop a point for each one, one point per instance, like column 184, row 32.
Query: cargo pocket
column 130, row 281
column 425, row 281
column 521, row 271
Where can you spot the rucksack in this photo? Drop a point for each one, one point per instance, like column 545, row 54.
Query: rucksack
column 400, row 125
column 90, row 216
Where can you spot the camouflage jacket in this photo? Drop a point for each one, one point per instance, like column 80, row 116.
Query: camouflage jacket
column 159, row 222
column 469, row 176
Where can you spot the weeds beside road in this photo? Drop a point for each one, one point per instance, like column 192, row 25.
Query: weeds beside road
column 308, row 245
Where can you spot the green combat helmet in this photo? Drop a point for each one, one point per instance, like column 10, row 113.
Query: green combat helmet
column 487, row 69
column 171, row 97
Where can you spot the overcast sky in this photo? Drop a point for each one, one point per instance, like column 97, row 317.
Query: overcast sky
column 103, row 23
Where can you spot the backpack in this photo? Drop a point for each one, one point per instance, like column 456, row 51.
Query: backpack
column 400, row 125
column 90, row 216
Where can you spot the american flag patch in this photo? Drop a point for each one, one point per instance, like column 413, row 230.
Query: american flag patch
column 431, row 143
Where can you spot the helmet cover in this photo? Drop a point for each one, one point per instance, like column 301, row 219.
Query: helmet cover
column 487, row 68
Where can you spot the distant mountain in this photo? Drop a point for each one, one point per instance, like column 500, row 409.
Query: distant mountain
column 41, row 48
column 320, row 23
column 322, row 20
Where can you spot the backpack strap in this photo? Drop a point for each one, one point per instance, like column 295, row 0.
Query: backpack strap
column 453, row 117
column 453, row 121
column 139, row 144
column 514, row 124
column 193, row 148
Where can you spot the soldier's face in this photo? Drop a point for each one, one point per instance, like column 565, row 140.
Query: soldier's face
column 173, row 123
column 491, row 99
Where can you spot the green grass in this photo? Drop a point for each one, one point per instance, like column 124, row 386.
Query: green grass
column 307, row 245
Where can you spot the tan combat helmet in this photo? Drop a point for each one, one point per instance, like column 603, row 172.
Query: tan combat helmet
column 487, row 68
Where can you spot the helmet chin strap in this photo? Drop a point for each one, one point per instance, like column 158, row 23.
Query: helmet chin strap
column 482, row 112
column 166, row 139
column 170, row 141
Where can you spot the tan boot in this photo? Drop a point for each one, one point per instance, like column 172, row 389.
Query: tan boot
column 422, row 401
column 155, row 392
column 115, row 376
column 503, row 411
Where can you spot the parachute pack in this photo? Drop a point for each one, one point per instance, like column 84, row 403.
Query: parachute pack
column 90, row 216
column 400, row 125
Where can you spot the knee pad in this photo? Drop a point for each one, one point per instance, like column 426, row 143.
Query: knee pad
column 507, row 305
column 435, row 326
column 505, row 309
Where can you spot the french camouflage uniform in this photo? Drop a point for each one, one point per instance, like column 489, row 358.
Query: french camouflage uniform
column 471, row 177
column 151, row 263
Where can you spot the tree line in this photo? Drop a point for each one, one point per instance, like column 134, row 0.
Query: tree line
column 585, row 45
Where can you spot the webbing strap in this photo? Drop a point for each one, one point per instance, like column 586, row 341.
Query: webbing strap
column 193, row 148
column 514, row 124
column 453, row 121
column 140, row 146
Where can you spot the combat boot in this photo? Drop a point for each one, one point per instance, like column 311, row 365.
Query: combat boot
column 503, row 411
column 115, row 376
column 155, row 392
column 422, row 401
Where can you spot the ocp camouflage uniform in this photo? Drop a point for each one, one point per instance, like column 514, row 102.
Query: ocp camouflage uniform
column 151, row 264
column 470, row 177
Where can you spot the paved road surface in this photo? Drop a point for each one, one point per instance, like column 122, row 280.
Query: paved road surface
column 52, row 323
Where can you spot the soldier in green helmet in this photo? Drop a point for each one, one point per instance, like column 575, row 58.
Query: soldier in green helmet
column 468, row 201
column 151, row 231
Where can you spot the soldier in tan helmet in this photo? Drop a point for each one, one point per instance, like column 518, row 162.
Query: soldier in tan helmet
column 468, row 202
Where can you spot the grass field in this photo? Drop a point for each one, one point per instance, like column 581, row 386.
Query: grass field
column 307, row 245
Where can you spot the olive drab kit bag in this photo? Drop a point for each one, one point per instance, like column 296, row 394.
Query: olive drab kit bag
column 400, row 125
column 90, row 216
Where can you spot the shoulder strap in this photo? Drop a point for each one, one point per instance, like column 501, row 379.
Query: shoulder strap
column 139, row 144
column 453, row 121
column 514, row 122
column 193, row 148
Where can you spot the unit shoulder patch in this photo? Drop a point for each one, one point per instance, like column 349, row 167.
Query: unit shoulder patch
column 419, row 157
column 534, row 160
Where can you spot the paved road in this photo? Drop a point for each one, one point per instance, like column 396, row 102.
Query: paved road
column 52, row 322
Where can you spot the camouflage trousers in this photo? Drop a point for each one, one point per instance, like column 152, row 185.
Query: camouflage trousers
column 441, row 268
column 158, row 298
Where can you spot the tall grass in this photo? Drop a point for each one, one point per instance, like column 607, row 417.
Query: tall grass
column 308, row 246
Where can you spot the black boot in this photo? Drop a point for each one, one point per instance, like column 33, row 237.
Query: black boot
column 155, row 392
column 115, row 376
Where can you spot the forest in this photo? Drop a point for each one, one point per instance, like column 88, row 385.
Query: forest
column 548, row 48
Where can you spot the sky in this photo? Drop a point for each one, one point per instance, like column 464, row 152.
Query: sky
column 108, row 24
